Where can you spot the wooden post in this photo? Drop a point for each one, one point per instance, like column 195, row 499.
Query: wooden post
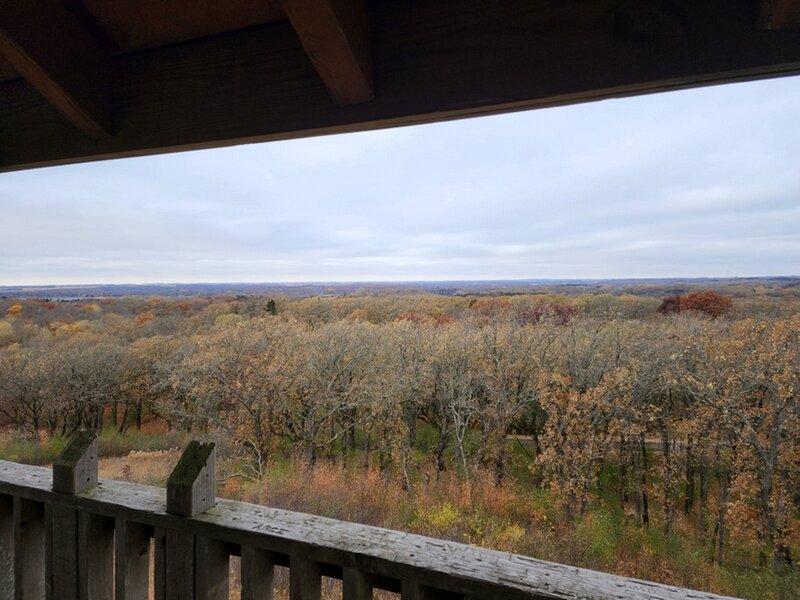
column 80, row 545
column 132, row 556
column 188, row 567
column 6, row 546
column 192, row 485
column 76, row 469
column 29, row 554
column 258, row 573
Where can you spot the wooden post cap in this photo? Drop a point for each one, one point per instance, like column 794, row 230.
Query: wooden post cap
column 192, row 485
column 76, row 469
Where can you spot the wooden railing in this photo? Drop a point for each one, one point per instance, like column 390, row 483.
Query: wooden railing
column 65, row 535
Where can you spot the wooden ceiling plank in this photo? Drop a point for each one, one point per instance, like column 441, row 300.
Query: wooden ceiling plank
column 335, row 36
column 779, row 14
column 141, row 24
column 51, row 50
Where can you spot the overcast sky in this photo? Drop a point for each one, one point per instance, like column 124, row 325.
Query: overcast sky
column 696, row 183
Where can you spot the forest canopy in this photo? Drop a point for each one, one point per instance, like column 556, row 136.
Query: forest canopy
column 693, row 400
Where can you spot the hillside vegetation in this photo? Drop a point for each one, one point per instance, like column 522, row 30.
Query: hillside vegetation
column 653, row 435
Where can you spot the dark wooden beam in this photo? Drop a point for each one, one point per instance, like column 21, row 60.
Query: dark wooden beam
column 335, row 36
column 49, row 47
column 779, row 14
column 432, row 61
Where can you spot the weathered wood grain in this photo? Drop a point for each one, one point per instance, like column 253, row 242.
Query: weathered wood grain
column 50, row 49
column 381, row 552
column 431, row 61
column 192, row 485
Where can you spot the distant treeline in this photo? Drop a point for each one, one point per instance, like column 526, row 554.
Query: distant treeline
column 592, row 381
column 739, row 287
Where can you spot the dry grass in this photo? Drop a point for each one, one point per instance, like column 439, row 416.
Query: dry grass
column 141, row 466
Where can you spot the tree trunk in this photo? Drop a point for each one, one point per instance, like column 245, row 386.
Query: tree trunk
column 688, row 503
column 500, row 465
column 702, row 507
column 367, row 445
column 645, row 506
column 124, row 421
column 623, row 473
column 668, row 505
column 440, row 450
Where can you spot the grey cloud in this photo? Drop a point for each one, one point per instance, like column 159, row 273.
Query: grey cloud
column 702, row 182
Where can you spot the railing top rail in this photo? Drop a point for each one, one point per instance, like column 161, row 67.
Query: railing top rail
column 438, row 563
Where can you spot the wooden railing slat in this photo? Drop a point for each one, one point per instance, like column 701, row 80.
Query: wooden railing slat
column 180, row 565
column 48, row 552
column 62, row 552
column 160, row 563
column 29, row 554
column 95, row 557
column 414, row 591
column 305, row 579
column 212, row 570
column 356, row 585
column 6, row 546
column 132, row 561
column 258, row 574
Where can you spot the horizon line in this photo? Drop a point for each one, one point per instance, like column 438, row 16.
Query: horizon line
column 402, row 281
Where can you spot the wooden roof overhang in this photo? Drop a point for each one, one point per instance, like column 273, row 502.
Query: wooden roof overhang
column 84, row 80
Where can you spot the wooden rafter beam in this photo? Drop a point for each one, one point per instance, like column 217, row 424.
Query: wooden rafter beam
column 335, row 36
column 779, row 14
column 47, row 45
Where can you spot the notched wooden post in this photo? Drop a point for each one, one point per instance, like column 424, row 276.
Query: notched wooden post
column 192, row 486
column 76, row 469
column 79, row 545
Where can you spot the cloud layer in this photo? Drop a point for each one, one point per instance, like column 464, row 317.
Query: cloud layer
column 697, row 183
